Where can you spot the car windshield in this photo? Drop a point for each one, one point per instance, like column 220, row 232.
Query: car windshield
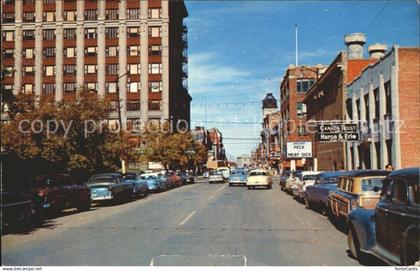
column 238, row 172
column 298, row 175
column 217, row 173
column 310, row 177
column 151, row 182
column 331, row 180
column 372, row 184
column 258, row 173
column 102, row 179
column 148, row 177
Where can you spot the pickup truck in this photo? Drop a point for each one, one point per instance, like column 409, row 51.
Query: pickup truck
column 391, row 231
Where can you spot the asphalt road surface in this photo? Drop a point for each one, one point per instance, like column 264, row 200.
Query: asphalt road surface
column 200, row 224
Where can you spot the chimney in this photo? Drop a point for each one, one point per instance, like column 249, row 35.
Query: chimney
column 377, row 50
column 355, row 42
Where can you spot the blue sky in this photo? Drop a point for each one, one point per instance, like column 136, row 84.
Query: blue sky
column 239, row 51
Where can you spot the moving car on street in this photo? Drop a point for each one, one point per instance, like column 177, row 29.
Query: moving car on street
column 216, row 177
column 259, row 177
column 109, row 187
column 56, row 192
column 391, row 231
column 138, row 185
column 225, row 172
column 238, row 177
column 361, row 188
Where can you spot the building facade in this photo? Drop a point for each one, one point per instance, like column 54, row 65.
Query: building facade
column 295, row 84
column 385, row 100
column 132, row 51
column 325, row 101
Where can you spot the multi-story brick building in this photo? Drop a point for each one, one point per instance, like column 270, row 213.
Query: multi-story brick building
column 326, row 99
column 293, row 88
column 385, row 100
column 134, row 49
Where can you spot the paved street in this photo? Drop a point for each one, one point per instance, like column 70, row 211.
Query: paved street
column 200, row 224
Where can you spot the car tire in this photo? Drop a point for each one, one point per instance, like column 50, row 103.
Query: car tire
column 307, row 203
column 84, row 206
column 269, row 186
column 354, row 246
column 23, row 221
column 230, row 184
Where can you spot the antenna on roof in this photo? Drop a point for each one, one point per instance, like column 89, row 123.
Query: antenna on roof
column 296, row 43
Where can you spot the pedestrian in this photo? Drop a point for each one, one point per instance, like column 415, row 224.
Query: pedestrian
column 389, row 167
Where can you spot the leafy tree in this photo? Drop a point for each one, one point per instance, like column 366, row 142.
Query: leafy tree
column 174, row 150
column 7, row 97
column 74, row 138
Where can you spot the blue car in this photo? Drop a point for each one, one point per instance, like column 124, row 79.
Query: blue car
column 237, row 177
column 390, row 232
column 138, row 185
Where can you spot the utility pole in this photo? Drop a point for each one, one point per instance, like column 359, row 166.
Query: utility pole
column 296, row 43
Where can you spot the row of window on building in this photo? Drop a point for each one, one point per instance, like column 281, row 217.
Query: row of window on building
column 111, row 69
column 89, row 15
column 110, row 87
column 71, row 52
column 89, row 33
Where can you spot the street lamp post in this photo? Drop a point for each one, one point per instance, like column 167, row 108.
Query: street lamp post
column 123, row 167
column 119, row 102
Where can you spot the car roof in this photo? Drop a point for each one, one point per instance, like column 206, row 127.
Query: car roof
column 106, row 175
column 258, row 170
column 410, row 174
column 367, row 172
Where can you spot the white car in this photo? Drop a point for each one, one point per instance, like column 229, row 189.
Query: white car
column 216, row 177
column 259, row 177
column 304, row 179
column 225, row 172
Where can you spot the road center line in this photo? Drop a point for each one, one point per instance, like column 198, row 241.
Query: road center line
column 187, row 218
column 220, row 189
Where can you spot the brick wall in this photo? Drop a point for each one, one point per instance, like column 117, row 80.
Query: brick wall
column 409, row 105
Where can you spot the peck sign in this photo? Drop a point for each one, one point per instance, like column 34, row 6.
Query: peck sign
column 299, row 149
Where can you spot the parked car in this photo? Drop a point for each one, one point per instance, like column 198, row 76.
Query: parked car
column 156, row 182
column 216, row 177
column 55, row 192
column 183, row 176
column 174, row 180
column 361, row 188
column 391, row 231
column 259, row 177
column 283, row 177
column 138, row 185
column 238, row 177
column 316, row 195
column 299, row 186
column 17, row 210
column 109, row 187
column 294, row 176
column 225, row 172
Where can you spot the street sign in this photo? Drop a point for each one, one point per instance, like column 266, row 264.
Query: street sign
column 337, row 131
column 299, row 149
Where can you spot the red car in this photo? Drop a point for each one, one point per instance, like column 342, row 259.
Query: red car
column 174, row 180
column 59, row 191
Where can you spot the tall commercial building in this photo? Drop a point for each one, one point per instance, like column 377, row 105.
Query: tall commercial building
column 326, row 99
column 295, row 84
column 136, row 49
